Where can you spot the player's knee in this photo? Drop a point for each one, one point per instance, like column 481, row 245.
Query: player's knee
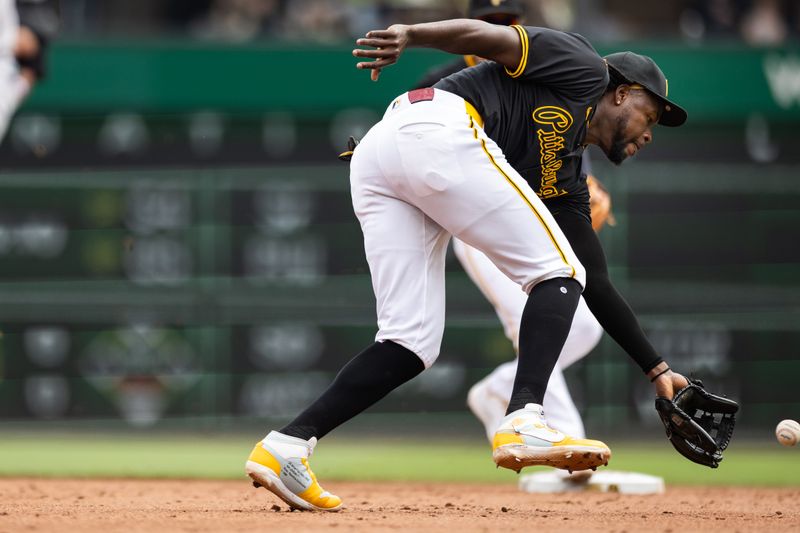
column 573, row 271
column 427, row 355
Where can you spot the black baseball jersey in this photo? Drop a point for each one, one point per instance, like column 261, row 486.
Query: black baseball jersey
column 538, row 112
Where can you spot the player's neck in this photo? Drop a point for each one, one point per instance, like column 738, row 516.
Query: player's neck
column 601, row 124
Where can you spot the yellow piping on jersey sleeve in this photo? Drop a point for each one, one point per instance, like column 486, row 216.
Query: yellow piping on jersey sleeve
column 523, row 38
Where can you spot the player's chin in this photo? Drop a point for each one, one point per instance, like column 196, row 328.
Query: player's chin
column 618, row 153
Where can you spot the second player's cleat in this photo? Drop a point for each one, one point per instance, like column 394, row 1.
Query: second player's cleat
column 524, row 439
column 279, row 463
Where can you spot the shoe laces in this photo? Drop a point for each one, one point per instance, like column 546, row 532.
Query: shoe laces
column 535, row 418
column 535, row 408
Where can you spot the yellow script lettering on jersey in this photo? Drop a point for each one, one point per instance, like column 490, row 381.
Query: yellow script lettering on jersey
column 555, row 122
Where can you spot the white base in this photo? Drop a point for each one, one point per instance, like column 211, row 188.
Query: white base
column 601, row 481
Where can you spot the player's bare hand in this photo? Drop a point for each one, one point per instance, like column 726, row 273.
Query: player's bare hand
column 667, row 383
column 388, row 44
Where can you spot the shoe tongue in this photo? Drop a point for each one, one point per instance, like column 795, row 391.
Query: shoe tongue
column 535, row 407
column 312, row 442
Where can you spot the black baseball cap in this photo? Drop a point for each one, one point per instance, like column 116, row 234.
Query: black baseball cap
column 482, row 8
column 641, row 69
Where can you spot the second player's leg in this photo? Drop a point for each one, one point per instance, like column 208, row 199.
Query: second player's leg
column 488, row 399
column 585, row 334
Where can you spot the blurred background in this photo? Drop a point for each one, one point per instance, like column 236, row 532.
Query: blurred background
column 178, row 248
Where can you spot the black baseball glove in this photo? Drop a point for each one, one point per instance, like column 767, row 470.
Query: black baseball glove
column 699, row 424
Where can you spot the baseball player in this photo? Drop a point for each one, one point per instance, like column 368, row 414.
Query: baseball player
column 488, row 398
column 475, row 157
column 26, row 28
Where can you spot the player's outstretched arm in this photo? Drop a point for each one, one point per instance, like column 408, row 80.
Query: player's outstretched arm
column 457, row 36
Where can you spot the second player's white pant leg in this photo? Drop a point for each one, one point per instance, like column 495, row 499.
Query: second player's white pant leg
column 584, row 335
column 504, row 295
column 560, row 410
column 508, row 303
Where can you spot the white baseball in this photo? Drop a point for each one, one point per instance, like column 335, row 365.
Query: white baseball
column 788, row 432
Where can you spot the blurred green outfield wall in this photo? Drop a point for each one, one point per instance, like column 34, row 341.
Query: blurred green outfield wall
column 172, row 103
column 719, row 83
column 177, row 239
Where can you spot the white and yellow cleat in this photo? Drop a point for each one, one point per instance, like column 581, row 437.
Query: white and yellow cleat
column 524, row 439
column 279, row 463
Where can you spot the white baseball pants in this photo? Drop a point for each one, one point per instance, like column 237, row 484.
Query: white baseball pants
column 428, row 171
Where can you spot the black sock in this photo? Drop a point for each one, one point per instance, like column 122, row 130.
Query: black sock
column 546, row 321
column 367, row 378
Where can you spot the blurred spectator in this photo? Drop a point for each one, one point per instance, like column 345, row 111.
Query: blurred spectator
column 703, row 19
column 759, row 22
column 317, row 20
column 556, row 14
column 414, row 11
column 365, row 16
column 181, row 14
column 239, row 20
column 765, row 23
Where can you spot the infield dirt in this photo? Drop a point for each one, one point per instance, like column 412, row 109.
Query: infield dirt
column 172, row 505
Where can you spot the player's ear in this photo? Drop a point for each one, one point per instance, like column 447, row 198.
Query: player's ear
column 621, row 93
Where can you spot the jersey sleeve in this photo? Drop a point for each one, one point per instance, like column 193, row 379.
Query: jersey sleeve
column 560, row 60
